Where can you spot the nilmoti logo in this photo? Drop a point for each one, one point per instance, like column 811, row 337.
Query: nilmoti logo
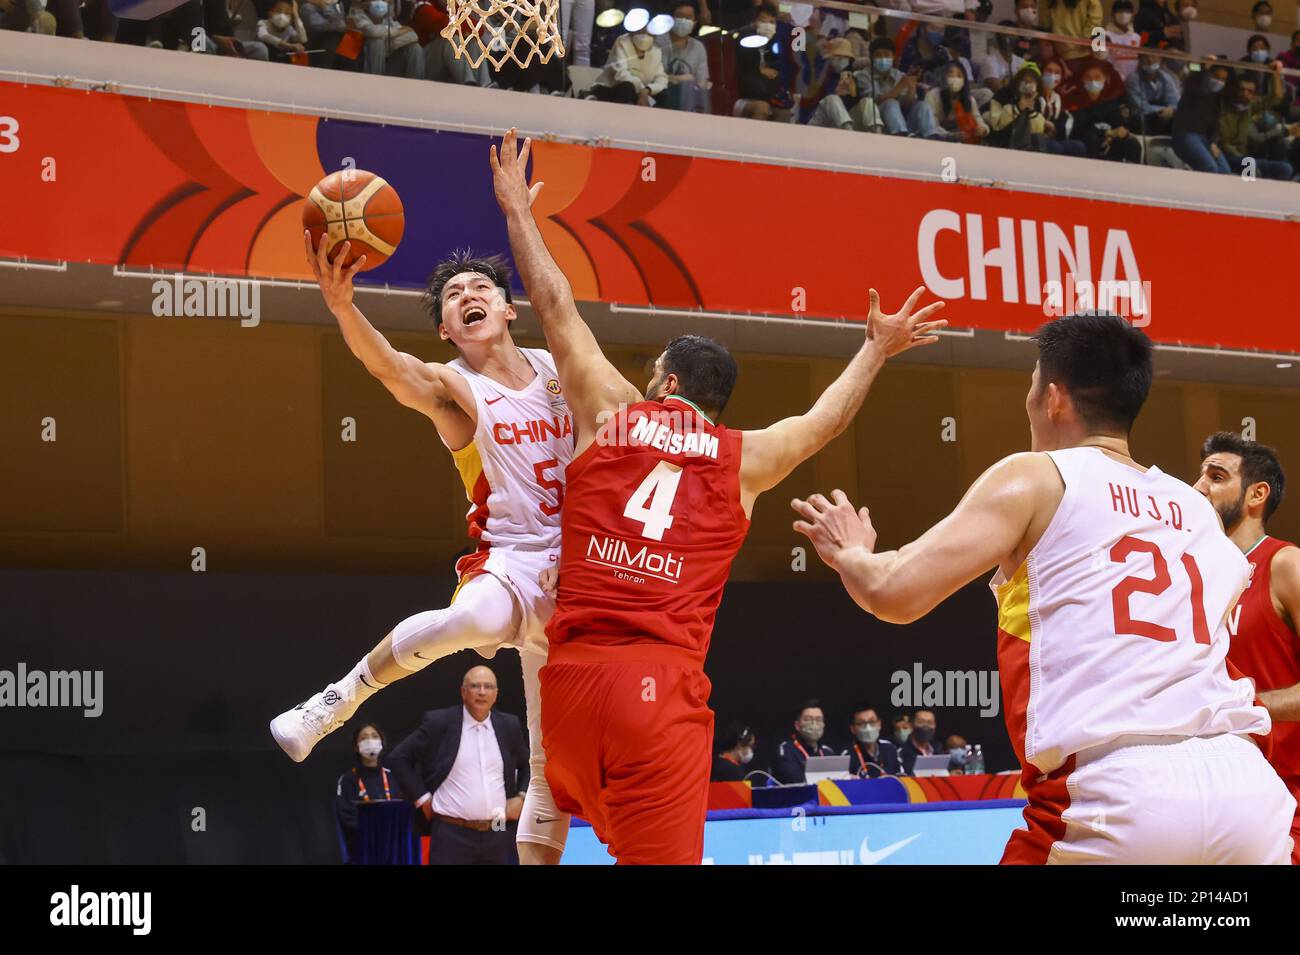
column 75, row 907
column 54, row 688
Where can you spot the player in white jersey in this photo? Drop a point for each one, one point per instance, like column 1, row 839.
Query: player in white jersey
column 1114, row 582
column 500, row 410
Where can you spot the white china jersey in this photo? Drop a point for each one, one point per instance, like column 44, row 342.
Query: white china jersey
column 1115, row 624
column 513, row 470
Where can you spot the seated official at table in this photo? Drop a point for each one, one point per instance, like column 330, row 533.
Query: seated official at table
column 735, row 751
column 869, row 755
column 471, row 765
column 365, row 781
column 792, row 755
column 921, row 742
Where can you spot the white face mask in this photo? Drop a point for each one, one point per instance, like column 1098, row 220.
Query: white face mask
column 1187, row 13
column 955, row 83
column 840, row 63
column 370, row 747
column 379, row 8
column 642, row 41
column 1050, row 80
column 1028, row 89
column 279, row 20
column 1094, row 86
column 1264, row 21
column 745, row 755
column 683, row 26
column 765, row 28
column 1027, row 15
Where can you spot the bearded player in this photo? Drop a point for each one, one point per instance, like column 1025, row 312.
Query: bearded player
column 1245, row 482
column 1114, row 582
column 499, row 410
column 658, row 503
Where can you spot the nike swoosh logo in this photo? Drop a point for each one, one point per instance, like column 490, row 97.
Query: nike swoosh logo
column 492, row 401
column 867, row 857
column 545, row 819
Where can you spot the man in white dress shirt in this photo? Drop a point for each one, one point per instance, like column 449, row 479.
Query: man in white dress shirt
column 471, row 766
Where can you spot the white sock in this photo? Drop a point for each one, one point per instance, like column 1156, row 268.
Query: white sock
column 360, row 684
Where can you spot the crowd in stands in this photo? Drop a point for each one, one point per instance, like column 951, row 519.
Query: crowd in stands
column 1121, row 102
column 872, row 750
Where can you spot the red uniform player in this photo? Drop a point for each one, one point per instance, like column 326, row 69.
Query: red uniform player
column 657, row 504
column 1245, row 482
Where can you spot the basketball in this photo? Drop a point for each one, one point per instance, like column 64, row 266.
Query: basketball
column 355, row 206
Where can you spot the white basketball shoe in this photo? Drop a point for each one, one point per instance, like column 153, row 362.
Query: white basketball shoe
column 299, row 730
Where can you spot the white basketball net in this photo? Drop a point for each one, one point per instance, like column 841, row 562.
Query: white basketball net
column 501, row 30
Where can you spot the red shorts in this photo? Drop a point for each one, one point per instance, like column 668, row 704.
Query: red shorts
column 628, row 736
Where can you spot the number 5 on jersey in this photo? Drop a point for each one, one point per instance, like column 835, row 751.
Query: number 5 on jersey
column 652, row 501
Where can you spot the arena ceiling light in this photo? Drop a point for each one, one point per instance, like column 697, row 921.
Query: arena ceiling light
column 609, row 18
column 753, row 41
column 636, row 19
column 660, row 25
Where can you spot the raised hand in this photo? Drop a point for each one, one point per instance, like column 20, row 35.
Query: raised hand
column 834, row 526
column 902, row 330
column 510, row 174
column 335, row 280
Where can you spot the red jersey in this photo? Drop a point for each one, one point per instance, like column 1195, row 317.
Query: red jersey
column 652, row 521
column 1265, row 649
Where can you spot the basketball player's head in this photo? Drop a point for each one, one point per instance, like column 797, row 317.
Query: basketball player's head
column 1242, row 479
column 468, row 298
column 1092, row 378
column 697, row 369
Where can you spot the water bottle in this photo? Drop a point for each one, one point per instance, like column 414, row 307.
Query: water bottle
column 975, row 764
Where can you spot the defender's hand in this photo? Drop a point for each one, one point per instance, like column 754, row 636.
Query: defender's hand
column 834, row 527
column 898, row 332
column 549, row 580
column 510, row 174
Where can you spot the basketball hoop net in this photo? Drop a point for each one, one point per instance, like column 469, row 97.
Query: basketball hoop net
column 501, row 30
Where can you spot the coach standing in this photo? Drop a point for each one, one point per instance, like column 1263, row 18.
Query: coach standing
column 471, row 764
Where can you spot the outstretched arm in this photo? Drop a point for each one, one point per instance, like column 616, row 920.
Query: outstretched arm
column 771, row 454
column 592, row 385
column 1001, row 513
column 427, row 387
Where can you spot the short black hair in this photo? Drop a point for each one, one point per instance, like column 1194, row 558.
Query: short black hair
column 1260, row 3
column 1121, row 5
column 495, row 267
column 1259, row 463
column 1103, row 362
column 705, row 370
column 881, row 43
column 732, row 735
column 766, row 7
column 862, row 708
column 809, row 704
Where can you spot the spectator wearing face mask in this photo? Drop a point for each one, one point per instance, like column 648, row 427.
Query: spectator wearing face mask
column 1060, row 123
column 952, row 111
column 1258, row 50
column 735, row 753
column 1076, row 18
column 1102, row 123
column 390, row 48
column 902, row 728
column 792, row 755
column 282, row 30
column 1196, row 120
column 1016, row 119
column 366, row 781
column 1122, row 39
column 842, row 104
column 890, row 95
column 1262, row 14
column 925, row 55
column 763, row 91
column 869, row 755
column 686, row 62
column 1160, row 23
column 955, row 747
column 1244, row 139
column 1153, row 93
column 921, row 742
column 634, row 72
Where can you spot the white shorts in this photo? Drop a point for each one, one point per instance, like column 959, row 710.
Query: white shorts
column 1175, row 801
column 518, row 571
